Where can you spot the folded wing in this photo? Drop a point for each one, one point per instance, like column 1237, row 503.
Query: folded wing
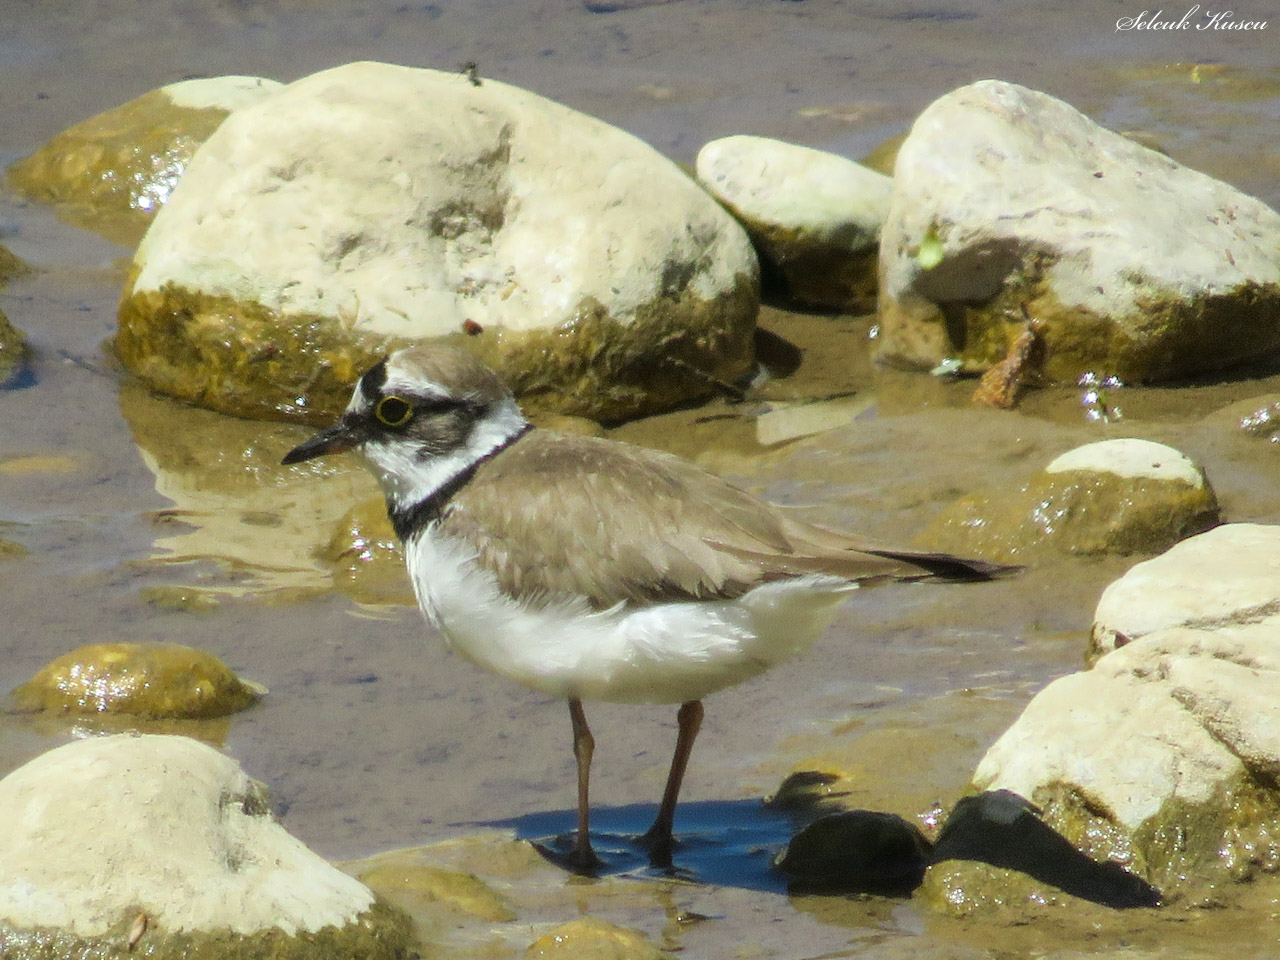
column 558, row 516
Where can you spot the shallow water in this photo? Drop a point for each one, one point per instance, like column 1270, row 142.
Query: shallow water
column 149, row 520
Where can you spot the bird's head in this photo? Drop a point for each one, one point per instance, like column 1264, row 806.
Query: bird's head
column 421, row 416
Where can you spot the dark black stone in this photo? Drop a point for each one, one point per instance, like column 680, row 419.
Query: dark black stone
column 861, row 851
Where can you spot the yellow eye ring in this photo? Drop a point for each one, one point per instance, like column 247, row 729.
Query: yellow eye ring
column 393, row 411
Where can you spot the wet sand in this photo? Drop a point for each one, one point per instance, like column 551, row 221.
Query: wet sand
column 373, row 736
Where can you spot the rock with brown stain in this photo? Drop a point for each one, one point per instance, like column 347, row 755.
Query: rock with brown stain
column 1002, row 386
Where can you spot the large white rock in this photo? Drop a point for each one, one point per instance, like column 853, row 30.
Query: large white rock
column 1226, row 576
column 371, row 205
column 1166, row 737
column 1134, row 265
column 814, row 216
column 102, row 830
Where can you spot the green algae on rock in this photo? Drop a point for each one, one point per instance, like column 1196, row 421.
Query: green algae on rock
column 419, row 887
column 1161, row 758
column 591, row 938
column 14, row 351
column 609, row 289
column 112, row 172
column 163, row 846
column 380, row 933
column 187, row 599
column 884, row 154
column 970, row 888
column 1095, row 251
column 11, row 265
column 1087, row 502
column 152, row 680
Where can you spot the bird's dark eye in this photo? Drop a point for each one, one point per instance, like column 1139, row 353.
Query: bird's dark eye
column 393, row 411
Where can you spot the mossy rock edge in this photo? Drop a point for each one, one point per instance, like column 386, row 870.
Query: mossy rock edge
column 380, row 933
column 248, row 360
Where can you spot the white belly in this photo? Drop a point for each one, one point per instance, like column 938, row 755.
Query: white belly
column 662, row 653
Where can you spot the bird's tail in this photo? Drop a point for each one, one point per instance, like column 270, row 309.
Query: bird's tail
column 945, row 566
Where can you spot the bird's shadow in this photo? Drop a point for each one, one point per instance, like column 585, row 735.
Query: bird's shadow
column 740, row 843
column 720, row 842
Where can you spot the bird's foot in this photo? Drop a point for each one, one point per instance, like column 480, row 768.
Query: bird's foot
column 659, row 844
column 584, row 860
column 579, row 858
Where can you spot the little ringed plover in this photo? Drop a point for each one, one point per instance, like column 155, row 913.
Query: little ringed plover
column 591, row 569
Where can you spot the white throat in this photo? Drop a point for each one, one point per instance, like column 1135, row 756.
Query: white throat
column 407, row 479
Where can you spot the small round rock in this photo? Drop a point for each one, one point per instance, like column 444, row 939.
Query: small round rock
column 1113, row 497
column 813, row 216
column 152, row 680
column 591, row 938
column 112, row 172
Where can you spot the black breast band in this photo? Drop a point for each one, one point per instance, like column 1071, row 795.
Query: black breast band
column 413, row 519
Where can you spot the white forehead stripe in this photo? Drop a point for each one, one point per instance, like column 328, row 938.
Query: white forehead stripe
column 419, row 388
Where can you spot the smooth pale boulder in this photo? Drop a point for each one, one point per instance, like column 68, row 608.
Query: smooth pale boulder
column 1228, row 576
column 1119, row 496
column 370, row 206
column 165, row 846
column 1160, row 757
column 814, row 217
column 1005, row 196
column 112, row 172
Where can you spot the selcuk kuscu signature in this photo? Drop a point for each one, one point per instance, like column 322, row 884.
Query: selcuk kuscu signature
column 1192, row 19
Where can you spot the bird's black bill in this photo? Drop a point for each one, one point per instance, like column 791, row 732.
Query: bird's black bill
column 335, row 439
